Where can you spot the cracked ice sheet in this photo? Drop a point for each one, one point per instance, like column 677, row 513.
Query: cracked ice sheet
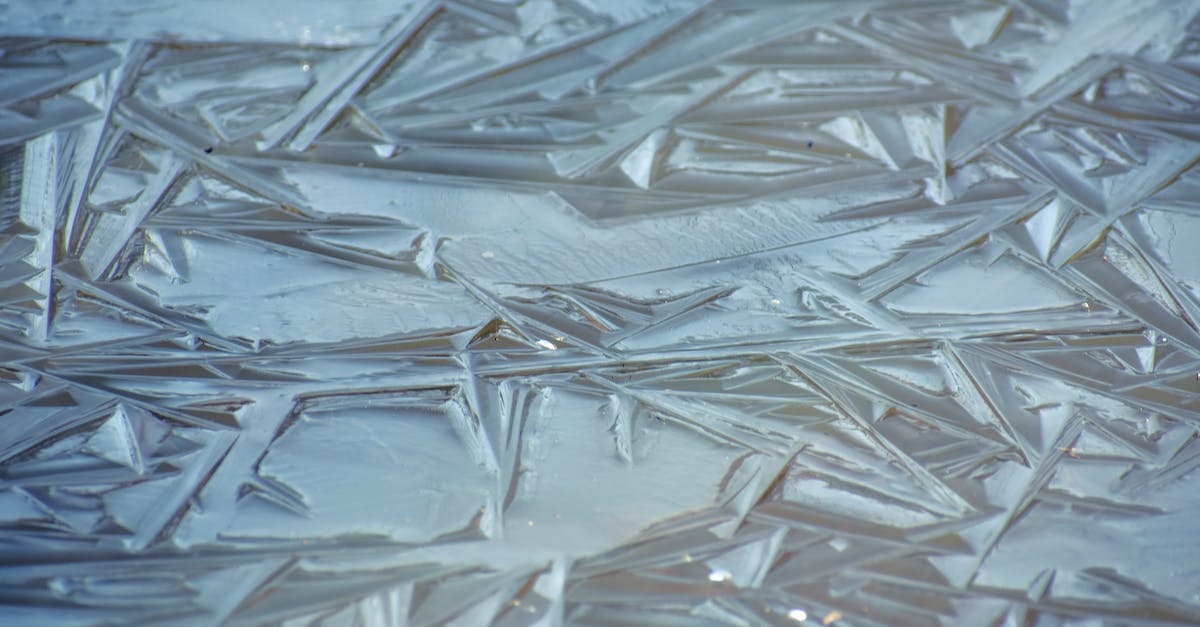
column 305, row 23
column 308, row 22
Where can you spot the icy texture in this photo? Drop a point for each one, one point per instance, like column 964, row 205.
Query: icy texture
column 586, row 312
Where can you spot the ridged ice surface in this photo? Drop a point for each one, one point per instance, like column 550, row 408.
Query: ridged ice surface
column 594, row 312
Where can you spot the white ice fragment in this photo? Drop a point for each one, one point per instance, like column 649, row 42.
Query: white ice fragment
column 719, row 575
column 639, row 164
column 976, row 28
column 798, row 615
column 547, row 344
column 854, row 131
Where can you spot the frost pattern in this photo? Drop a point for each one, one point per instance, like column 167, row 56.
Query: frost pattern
column 546, row 312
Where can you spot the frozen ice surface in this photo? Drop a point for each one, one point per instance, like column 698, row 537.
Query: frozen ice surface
column 593, row 312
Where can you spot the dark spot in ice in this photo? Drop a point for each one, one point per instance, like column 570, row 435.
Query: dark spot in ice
column 810, row 143
column 208, row 151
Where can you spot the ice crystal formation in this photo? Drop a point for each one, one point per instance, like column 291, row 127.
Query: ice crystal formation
column 599, row 312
